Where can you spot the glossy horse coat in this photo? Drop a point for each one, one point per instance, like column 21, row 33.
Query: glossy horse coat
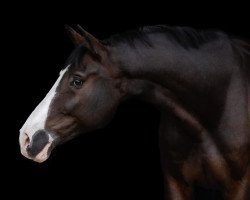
column 199, row 80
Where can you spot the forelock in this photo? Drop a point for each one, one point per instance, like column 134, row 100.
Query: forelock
column 76, row 57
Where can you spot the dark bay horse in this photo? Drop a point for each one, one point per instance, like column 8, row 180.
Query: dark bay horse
column 199, row 80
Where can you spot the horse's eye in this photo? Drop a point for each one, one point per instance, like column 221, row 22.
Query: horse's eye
column 77, row 83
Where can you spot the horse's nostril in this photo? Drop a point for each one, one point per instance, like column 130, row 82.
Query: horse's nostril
column 28, row 148
column 26, row 140
column 24, row 143
column 29, row 151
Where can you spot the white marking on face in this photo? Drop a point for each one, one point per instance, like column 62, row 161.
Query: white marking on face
column 36, row 121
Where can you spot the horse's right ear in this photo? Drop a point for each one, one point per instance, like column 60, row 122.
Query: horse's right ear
column 76, row 38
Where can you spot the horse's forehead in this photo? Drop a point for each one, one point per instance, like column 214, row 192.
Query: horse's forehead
column 62, row 72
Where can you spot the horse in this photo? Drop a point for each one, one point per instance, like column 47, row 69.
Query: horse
column 198, row 79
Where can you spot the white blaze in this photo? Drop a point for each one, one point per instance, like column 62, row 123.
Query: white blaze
column 37, row 118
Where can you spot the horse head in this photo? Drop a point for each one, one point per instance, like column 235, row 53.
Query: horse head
column 83, row 98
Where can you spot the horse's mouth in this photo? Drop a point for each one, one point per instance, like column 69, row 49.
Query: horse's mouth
column 40, row 157
column 44, row 154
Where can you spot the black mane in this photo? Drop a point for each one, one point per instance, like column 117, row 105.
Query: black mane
column 185, row 36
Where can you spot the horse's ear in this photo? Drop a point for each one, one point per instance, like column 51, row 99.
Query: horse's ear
column 92, row 43
column 76, row 38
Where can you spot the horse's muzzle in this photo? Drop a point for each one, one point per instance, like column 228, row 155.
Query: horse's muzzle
column 37, row 148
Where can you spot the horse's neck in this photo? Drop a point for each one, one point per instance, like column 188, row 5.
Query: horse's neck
column 192, row 83
column 200, row 87
column 156, row 75
column 164, row 64
column 151, row 63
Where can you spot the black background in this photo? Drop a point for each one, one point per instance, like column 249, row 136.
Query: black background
column 120, row 161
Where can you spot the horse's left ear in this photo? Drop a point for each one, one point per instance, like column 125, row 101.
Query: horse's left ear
column 92, row 43
column 76, row 38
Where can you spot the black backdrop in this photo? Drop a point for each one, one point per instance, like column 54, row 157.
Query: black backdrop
column 122, row 160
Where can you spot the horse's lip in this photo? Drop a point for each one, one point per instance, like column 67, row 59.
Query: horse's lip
column 44, row 154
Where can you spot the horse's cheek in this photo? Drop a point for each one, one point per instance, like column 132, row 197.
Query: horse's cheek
column 71, row 104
